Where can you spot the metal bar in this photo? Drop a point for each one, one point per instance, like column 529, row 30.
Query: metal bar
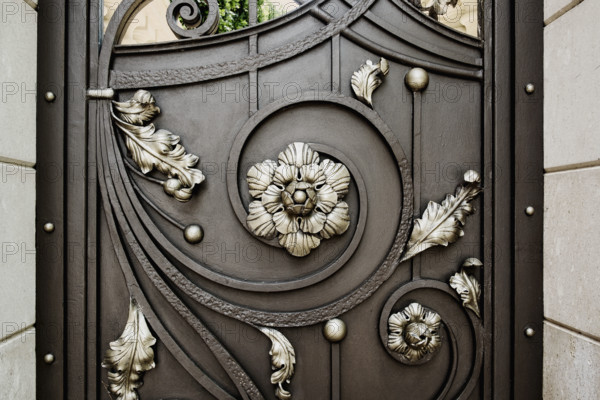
column 528, row 192
column 416, row 157
column 489, row 175
column 336, row 80
column 107, row 93
column 50, row 322
column 252, row 12
column 92, row 326
column 497, row 276
column 253, row 75
column 75, row 227
column 336, row 387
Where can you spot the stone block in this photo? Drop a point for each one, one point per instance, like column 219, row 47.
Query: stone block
column 572, row 248
column 17, row 248
column 570, row 365
column 17, row 363
column 18, row 63
column 571, row 89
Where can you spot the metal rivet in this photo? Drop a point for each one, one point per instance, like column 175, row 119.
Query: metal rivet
column 417, row 79
column 529, row 332
column 335, row 330
column 49, row 96
column 49, row 227
column 193, row 233
column 49, row 358
column 530, row 211
column 529, row 88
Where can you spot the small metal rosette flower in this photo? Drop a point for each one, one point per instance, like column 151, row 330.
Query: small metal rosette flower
column 414, row 333
column 298, row 199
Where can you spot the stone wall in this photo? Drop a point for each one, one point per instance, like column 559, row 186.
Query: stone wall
column 18, row 64
column 572, row 196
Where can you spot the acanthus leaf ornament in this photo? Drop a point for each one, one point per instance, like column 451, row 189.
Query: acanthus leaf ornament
column 467, row 286
column 298, row 199
column 130, row 356
column 156, row 149
column 442, row 224
column 283, row 359
column 367, row 79
column 414, row 332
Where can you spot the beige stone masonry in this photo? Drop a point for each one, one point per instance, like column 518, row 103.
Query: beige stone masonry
column 17, row 248
column 570, row 365
column 18, row 69
column 572, row 249
column 572, row 89
column 17, row 367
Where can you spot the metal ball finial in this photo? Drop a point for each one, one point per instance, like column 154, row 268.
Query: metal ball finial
column 49, row 358
column 335, row 330
column 193, row 233
column 530, row 211
column 417, row 79
column 48, row 227
column 529, row 88
column 529, row 332
column 50, row 97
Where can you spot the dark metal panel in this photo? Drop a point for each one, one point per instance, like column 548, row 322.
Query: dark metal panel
column 529, row 192
column 150, row 260
column 50, row 200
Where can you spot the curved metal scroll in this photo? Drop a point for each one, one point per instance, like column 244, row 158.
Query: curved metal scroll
column 119, row 226
column 189, row 12
column 475, row 328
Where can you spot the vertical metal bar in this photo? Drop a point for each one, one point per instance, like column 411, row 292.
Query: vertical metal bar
column 50, row 322
column 336, row 80
column 252, row 12
column 253, row 49
column 498, row 275
column 529, row 191
column 416, row 156
column 253, row 90
column 489, row 174
column 336, row 387
column 76, row 161
column 91, row 337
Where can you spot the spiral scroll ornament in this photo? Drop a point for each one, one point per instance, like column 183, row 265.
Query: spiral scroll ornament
column 188, row 14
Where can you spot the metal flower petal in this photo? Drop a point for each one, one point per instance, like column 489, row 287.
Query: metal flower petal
column 337, row 176
column 312, row 174
column 313, row 223
column 260, row 221
column 259, row 177
column 271, row 199
column 326, row 198
column 284, row 174
column 285, row 222
column 298, row 154
column 338, row 221
column 299, row 244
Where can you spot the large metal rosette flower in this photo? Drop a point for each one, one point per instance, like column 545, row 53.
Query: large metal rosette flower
column 414, row 332
column 298, row 199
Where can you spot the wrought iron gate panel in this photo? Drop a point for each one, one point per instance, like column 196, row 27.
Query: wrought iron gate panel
column 312, row 207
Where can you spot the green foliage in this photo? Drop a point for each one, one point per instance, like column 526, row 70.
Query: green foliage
column 234, row 13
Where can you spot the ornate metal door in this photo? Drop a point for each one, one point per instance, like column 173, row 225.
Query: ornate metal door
column 328, row 205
